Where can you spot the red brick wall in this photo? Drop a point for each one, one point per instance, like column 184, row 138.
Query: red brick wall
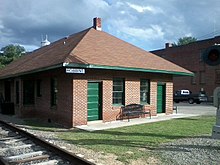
column 71, row 109
column 132, row 90
column 189, row 57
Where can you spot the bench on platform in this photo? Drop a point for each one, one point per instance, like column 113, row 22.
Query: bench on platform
column 133, row 110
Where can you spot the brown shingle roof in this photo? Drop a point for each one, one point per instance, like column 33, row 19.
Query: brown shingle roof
column 89, row 47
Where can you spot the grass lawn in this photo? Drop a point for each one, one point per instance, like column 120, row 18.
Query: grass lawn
column 133, row 142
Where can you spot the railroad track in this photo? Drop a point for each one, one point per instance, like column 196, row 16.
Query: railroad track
column 20, row 147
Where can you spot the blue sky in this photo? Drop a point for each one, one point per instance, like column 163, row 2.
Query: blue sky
column 148, row 24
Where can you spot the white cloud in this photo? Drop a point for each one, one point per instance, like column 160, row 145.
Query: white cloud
column 151, row 33
column 142, row 9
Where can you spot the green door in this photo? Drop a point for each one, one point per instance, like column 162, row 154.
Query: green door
column 94, row 101
column 160, row 98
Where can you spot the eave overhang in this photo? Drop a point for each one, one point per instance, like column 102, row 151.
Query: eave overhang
column 92, row 66
column 104, row 67
column 31, row 71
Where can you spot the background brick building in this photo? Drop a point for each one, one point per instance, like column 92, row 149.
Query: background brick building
column 190, row 57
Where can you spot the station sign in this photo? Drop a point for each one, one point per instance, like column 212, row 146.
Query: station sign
column 75, row 70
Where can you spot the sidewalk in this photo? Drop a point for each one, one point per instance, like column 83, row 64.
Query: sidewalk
column 99, row 125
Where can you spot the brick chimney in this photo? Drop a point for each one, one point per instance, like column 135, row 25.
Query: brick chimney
column 97, row 23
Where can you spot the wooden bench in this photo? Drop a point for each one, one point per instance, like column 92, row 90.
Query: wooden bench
column 133, row 110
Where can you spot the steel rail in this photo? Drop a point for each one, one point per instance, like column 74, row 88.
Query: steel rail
column 72, row 158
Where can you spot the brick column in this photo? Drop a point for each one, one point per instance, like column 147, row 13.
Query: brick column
column 79, row 102
column 169, row 98
column 109, row 113
column 153, row 97
column 132, row 91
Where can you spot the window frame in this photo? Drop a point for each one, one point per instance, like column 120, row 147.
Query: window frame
column 53, row 92
column 145, row 89
column 118, row 83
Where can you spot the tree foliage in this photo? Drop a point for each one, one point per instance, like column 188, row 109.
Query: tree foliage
column 11, row 53
column 184, row 41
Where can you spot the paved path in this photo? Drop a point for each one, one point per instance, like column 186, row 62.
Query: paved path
column 199, row 109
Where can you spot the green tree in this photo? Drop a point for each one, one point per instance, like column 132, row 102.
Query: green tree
column 11, row 53
column 184, row 41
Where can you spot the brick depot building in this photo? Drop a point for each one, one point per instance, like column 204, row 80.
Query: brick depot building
column 88, row 76
column 190, row 57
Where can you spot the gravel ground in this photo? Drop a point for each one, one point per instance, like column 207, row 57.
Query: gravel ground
column 201, row 150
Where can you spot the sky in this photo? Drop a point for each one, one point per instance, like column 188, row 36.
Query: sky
column 147, row 24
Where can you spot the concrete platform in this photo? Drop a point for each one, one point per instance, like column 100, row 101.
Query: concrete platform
column 99, row 125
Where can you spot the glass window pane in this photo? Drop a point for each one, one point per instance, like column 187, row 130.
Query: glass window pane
column 118, row 91
column 118, row 88
column 145, row 91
